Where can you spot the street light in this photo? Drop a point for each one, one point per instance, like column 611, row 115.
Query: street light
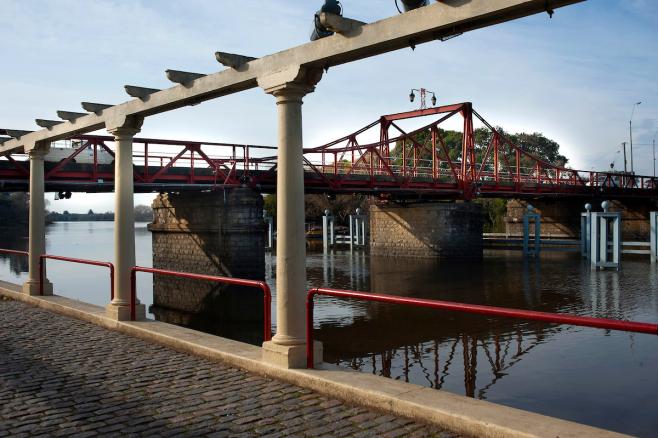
column 408, row 5
column 630, row 131
column 423, row 93
column 330, row 7
column 654, row 153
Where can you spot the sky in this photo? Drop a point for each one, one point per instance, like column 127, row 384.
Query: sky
column 575, row 77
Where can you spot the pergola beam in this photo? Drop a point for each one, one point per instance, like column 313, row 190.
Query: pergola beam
column 434, row 22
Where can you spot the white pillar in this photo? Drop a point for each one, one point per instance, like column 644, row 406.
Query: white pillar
column 332, row 230
column 124, row 222
column 268, row 221
column 288, row 347
column 37, row 226
column 653, row 222
column 325, row 231
column 606, row 234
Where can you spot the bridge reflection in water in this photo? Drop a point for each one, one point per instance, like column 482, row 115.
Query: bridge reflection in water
column 530, row 365
column 397, row 341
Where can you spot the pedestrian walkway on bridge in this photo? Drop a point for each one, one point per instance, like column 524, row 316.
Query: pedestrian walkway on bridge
column 60, row 377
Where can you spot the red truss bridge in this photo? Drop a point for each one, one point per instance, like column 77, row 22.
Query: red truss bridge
column 418, row 164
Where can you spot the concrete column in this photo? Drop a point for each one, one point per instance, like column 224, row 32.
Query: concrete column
column 124, row 221
column 288, row 347
column 37, row 227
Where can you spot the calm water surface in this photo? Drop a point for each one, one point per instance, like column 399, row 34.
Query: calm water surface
column 607, row 379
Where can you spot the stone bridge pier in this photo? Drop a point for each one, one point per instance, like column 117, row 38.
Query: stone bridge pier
column 561, row 217
column 432, row 230
column 214, row 233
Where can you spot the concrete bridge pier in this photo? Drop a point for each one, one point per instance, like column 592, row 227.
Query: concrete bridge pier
column 37, row 221
column 214, row 233
column 288, row 347
column 439, row 229
column 562, row 217
column 124, row 218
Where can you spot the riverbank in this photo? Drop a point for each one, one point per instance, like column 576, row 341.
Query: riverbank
column 82, row 379
column 456, row 413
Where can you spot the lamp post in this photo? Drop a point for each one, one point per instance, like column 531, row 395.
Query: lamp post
column 630, row 131
column 423, row 93
column 654, row 153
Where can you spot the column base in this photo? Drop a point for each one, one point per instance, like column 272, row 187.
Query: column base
column 33, row 289
column 290, row 356
column 122, row 313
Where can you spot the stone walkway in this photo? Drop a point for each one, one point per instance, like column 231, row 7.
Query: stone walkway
column 60, row 376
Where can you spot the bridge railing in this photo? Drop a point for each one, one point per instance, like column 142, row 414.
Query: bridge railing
column 504, row 168
column 267, row 293
column 42, row 268
column 531, row 315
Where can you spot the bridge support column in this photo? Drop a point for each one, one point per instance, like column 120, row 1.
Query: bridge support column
column 560, row 217
column 218, row 233
column 37, row 226
column 535, row 218
column 606, row 239
column 124, row 220
column 288, row 347
column 585, row 233
column 441, row 230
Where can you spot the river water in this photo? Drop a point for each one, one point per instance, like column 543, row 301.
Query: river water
column 598, row 377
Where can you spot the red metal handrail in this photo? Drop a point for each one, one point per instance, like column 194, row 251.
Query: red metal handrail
column 585, row 321
column 43, row 257
column 14, row 252
column 267, row 293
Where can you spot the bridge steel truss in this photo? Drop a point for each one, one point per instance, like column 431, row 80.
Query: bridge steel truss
column 421, row 162
column 401, row 163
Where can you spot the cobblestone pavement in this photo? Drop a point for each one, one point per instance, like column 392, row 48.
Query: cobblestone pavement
column 61, row 376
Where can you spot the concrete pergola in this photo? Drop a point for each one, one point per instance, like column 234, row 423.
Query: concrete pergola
column 288, row 76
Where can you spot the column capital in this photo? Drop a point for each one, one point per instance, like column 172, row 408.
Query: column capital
column 127, row 126
column 38, row 152
column 291, row 84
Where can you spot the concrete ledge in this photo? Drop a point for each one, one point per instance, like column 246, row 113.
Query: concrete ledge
column 453, row 412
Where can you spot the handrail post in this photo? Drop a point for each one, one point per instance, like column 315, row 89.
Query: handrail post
column 41, row 262
column 310, row 359
column 267, row 314
column 111, row 266
column 133, row 292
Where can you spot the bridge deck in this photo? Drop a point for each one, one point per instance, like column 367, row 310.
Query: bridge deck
column 62, row 376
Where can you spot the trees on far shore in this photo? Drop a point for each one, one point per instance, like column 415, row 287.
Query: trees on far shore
column 143, row 213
